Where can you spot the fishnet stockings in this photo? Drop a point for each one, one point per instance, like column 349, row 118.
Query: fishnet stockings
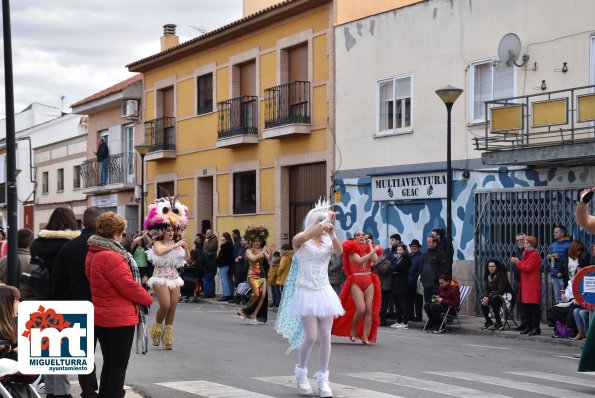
column 363, row 307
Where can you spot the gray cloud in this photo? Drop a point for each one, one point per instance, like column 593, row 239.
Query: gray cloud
column 77, row 48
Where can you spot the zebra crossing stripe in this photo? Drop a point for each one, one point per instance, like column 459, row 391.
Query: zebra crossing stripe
column 426, row 385
column 208, row 389
column 339, row 390
column 514, row 384
column 556, row 378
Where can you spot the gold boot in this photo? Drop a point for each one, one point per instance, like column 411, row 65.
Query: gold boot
column 156, row 332
column 167, row 337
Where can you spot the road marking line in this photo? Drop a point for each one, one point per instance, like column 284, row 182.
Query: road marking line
column 566, row 356
column 403, row 337
column 487, row 346
column 426, row 385
column 557, row 378
column 208, row 389
column 514, row 384
column 339, row 390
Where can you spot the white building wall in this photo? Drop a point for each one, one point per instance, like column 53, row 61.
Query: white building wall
column 436, row 41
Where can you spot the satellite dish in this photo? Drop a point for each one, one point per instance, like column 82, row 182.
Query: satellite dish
column 509, row 50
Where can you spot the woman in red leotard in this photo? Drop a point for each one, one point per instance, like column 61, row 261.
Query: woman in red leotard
column 360, row 295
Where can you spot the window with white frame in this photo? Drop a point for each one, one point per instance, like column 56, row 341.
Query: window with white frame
column 60, row 180
column 490, row 81
column 394, row 104
column 76, row 177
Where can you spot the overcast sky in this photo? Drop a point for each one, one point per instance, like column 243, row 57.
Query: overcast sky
column 75, row 48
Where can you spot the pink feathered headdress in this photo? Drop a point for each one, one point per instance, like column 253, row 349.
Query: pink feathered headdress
column 167, row 211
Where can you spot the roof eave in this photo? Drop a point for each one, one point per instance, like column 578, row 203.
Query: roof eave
column 226, row 34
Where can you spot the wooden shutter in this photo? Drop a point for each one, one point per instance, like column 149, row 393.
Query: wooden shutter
column 248, row 78
column 298, row 63
column 168, row 102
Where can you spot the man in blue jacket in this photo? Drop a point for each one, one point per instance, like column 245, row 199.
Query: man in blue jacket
column 558, row 259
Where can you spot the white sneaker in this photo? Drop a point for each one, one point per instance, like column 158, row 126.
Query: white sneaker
column 396, row 325
column 405, row 326
column 324, row 390
column 303, row 384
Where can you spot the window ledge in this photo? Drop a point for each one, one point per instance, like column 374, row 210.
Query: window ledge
column 45, row 193
column 393, row 133
column 59, row 190
column 205, row 113
column 476, row 123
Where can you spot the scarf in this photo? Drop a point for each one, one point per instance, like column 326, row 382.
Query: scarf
column 142, row 340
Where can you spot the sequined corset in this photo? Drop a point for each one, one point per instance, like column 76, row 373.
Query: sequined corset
column 313, row 261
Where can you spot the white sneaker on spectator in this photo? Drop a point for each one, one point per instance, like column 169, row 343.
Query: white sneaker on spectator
column 405, row 326
column 396, row 325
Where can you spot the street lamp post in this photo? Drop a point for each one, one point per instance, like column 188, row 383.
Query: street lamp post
column 142, row 150
column 448, row 95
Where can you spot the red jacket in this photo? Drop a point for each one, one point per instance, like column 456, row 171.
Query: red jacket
column 450, row 294
column 530, row 269
column 114, row 292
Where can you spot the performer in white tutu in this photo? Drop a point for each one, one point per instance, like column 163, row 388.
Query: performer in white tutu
column 309, row 303
column 167, row 219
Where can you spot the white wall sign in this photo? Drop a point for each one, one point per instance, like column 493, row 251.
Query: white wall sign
column 105, row 201
column 409, row 186
column 589, row 284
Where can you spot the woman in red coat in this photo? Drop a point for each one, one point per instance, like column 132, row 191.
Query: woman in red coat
column 530, row 290
column 119, row 299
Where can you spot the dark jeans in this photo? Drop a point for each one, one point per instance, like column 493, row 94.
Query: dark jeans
column 532, row 316
column 276, row 293
column 88, row 382
column 209, row 283
column 401, row 308
column 116, row 344
column 434, row 311
column 496, row 303
column 415, row 303
column 429, row 292
column 242, row 276
column 385, row 295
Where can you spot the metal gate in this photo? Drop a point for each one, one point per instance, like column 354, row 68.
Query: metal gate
column 501, row 214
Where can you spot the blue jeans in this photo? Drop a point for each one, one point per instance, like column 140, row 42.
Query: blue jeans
column 581, row 317
column 428, row 293
column 226, row 280
column 102, row 172
column 276, row 293
column 209, row 283
column 558, row 285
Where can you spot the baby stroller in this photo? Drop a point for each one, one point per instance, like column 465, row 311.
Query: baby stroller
column 12, row 383
column 191, row 288
column 243, row 293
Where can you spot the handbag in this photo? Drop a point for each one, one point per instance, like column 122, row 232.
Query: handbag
column 140, row 256
column 419, row 287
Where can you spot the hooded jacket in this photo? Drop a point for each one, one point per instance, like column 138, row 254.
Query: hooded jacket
column 47, row 246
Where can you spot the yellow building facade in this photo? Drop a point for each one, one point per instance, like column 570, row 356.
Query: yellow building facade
column 240, row 120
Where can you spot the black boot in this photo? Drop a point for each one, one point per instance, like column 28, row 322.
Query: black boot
column 534, row 332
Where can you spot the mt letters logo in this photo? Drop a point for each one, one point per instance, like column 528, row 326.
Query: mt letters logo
column 56, row 337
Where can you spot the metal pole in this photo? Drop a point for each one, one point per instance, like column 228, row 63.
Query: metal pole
column 142, row 192
column 448, row 177
column 11, row 165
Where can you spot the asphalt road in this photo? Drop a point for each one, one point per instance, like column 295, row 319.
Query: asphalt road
column 217, row 355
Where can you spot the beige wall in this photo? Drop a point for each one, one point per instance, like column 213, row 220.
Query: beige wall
column 350, row 10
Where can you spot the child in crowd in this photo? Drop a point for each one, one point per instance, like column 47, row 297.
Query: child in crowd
column 272, row 279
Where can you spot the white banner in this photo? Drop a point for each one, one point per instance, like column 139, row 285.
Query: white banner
column 409, row 186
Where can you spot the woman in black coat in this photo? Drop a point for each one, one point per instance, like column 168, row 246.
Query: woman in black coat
column 225, row 260
column 400, row 274
column 496, row 287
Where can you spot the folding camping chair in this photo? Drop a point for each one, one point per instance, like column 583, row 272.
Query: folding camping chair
column 506, row 310
column 452, row 313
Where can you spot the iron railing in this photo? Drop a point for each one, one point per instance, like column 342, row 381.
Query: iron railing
column 531, row 135
column 237, row 116
column 160, row 134
column 287, row 103
column 119, row 169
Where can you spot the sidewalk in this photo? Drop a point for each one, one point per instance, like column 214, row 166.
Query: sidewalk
column 473, row 325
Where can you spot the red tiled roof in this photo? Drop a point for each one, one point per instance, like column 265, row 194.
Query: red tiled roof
column 116, row 88
column 213, row 32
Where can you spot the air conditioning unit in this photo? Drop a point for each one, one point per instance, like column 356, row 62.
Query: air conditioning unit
column 130, row 109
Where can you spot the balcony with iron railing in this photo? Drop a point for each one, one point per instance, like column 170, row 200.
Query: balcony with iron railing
column 287, row 109
column 237, row 121
column 160, row 135
column 119, row 174
column 550, row 128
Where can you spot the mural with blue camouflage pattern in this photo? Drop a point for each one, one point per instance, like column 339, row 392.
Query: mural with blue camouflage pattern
column 416, row 219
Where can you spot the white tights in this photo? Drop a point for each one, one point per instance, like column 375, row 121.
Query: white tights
column 311, row 325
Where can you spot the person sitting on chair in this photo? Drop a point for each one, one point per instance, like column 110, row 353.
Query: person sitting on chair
column 448, row 296
column 496, row 287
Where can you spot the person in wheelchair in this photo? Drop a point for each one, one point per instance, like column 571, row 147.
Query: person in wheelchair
column 497, row 291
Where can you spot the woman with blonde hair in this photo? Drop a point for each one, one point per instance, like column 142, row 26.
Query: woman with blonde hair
column 119, row 299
